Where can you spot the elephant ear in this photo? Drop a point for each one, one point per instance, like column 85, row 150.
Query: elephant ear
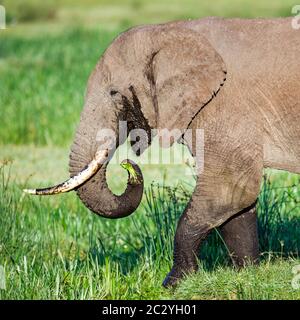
column 187, row 74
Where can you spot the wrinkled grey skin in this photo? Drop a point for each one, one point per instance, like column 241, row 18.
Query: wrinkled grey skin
column 237, row 79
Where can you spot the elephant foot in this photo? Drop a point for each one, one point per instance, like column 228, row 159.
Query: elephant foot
column 172, row 279
column 176, row 274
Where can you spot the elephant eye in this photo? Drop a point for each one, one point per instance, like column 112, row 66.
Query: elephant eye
column 113, row 92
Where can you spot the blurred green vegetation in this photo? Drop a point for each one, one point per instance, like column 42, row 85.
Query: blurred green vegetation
column 44, row 64
column 28, row 11
column 128, row 12
column 43, row 82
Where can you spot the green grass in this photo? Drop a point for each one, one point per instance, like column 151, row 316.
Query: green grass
column 270, row 281
column 54, row 248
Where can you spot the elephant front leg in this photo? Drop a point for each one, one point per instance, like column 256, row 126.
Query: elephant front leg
column 241, row 237
column 187, row 242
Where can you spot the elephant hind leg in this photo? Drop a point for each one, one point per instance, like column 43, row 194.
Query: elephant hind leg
column 241, row 237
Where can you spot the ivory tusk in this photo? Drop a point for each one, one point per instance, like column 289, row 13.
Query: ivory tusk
column 77, row 180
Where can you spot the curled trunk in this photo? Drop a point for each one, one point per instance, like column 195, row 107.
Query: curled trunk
column 95, row 193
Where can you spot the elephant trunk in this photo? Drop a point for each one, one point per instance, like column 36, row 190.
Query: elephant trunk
column 94, row 193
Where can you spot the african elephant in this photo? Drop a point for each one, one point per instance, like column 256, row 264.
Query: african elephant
column 237, row 79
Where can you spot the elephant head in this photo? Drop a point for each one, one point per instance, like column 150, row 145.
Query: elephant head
column 152, row 77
